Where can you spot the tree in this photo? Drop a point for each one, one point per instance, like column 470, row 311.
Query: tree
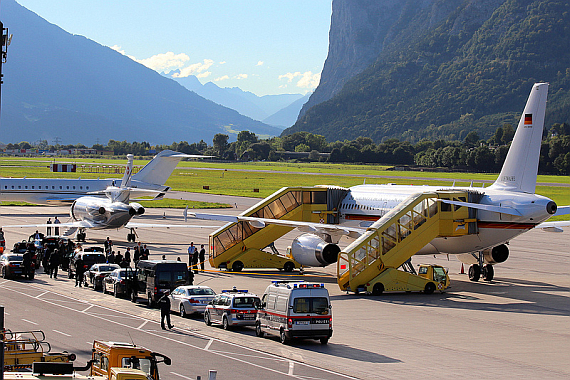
column 220, row 142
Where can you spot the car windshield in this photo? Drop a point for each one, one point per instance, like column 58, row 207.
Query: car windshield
column 317, row 305
column 93, row 258
column 201, row 292
column 107, row 268
column 15, row 257
column 240, row 302
column 124, row 274
column 139, row 363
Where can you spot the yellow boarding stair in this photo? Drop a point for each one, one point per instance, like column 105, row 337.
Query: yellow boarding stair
column 370, row 263
column 238, row 245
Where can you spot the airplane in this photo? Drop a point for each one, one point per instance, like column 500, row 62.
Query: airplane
column 114, row 210
column 58, row 191
column 507, row 208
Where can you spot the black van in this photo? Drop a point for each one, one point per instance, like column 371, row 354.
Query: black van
column 156, row 276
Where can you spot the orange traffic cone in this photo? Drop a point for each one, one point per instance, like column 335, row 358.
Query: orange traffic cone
column 462, row 270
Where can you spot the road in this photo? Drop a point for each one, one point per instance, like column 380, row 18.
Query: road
column 515, row 326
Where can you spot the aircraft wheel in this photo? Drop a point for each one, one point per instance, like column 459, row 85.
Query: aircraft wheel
column 378, row 289
column 474, row 272
column 488, row 272
column 430, row 288
column 237, row 266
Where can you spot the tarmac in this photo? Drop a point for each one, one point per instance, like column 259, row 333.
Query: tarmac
column 516, row 326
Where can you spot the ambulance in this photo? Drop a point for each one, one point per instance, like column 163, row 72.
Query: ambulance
column 295, row 309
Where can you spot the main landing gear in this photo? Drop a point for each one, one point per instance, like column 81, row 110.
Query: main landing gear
column 80, row 236
column 131, row 237
column 486, row 270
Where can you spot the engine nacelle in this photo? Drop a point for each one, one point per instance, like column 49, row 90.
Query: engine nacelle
column 311, row 250
column 89, row 208
column 495, row 255
column 137, row 208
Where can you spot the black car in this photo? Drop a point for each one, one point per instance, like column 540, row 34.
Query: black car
column 11, row 265
column 154, row 277
column 97, row 273
column 119, row 281
column 89, row 258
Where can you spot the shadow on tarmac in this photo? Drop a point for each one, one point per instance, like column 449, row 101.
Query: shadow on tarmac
column 512, row 295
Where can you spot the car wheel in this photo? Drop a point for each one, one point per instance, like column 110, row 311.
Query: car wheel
column 3, row 272
column 430, row 288
column 149, row 302
column 258, row 331
column 225, row 323
column 282, row 337
column 378, row 289
column 207, row 319
column 104, row 290
column 182, row 311
column 116, row 291
column 324, row 340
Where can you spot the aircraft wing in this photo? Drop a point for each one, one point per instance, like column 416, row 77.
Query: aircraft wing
column 78, row 224
column 563, row 210
column 499, row 209
column 302, row 226
column 150, row 225
column 553, row 226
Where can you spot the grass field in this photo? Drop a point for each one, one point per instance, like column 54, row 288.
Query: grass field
column 242, row 178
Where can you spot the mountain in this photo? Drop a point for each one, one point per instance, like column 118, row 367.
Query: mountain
column 67, row 86
column 287, row 116
column 438, row 69
column 245, row 102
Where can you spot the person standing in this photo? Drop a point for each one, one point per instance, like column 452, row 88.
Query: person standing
column 2, row 241
column 191, row 252
column 54, row 263
column 145, row 253
column 138, row 253
column 108, row 245
column 79, row 271
column 45, row 259
column 56, row 221
column 111, row 258
column 164, row 303
column 202, row 257
column 118, row 258
column 128, row 255
column 48, row 229
column 27, row 262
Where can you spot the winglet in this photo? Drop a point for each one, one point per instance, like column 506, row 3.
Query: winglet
column 126, row 181
column 521, row 165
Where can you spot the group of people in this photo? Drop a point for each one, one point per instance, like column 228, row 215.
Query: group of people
column 141, row 252
column 196, row 257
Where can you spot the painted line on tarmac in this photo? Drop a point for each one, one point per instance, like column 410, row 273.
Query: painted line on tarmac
column 157, row 334
column 33, row 323
column 182, row 376
column 60, row 332
column 208, row 345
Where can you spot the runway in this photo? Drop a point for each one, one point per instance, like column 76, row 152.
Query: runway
column 516, row 326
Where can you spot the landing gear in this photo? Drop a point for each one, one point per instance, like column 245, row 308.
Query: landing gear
column 474, row 272
column 81, row 235
column 131, row 237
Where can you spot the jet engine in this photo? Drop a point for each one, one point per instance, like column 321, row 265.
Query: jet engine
column 495, row 255
column 311, row 250
column 137, row 208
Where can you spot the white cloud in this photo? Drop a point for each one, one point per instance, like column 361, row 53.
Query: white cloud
column 306, row 79
column 118, row 49
column 221, row 78
column 195, row 68
column 260, row 63
column 222, row 63
column 165, row 61
column 241, row 76
column 205, row 74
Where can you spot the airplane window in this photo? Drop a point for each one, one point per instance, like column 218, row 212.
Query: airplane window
column 73, row 187
column 67, row 187
column 87, row 187
column 25, row 187
column 32, row 187
column 5, row 187
column 80, row 187
column 19, row 187
column 53, row 187
column 61, row 187
column 12, row 186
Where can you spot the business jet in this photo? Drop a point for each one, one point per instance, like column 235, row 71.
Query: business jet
column 113, row 210
column 506, row 209
column 57, row 191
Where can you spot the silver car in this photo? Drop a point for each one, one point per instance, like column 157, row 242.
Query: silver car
column 190, row 299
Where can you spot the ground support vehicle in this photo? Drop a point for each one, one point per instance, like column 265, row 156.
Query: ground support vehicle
column 22, row 348
column 232, row 308
column 295, row 309
column 154, row 277
column 108, row 355
column 55, row 371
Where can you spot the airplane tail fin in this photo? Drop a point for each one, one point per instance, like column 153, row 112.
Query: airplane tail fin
column 160, row 167
column 521, row 165
column 126, row 181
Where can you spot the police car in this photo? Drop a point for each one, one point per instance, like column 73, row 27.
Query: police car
column 232, row 308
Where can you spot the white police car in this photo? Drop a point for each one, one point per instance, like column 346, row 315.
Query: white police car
column 232, row 308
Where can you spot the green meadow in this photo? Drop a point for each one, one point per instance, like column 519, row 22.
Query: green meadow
column 260, row 179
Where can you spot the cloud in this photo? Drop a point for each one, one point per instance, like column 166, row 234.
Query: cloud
column 259, row 63
column 222, row 63
column 241, row 76
column 205, row 74
column 165, row 61
column 221, row 78
column 199, row 68
column 306, row 79
column 118, row 49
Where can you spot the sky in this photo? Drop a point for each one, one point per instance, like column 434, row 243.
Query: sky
column 267, row 47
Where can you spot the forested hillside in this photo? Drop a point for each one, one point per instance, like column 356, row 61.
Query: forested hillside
column 471, row 71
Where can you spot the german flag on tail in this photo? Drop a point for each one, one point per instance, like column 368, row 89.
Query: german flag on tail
column 528, row 119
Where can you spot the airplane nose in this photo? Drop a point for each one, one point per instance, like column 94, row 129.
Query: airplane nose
column 551, row 207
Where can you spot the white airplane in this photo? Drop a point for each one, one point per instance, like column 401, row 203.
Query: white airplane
column 56, row 191
column 112, row 208
column 506, row 209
